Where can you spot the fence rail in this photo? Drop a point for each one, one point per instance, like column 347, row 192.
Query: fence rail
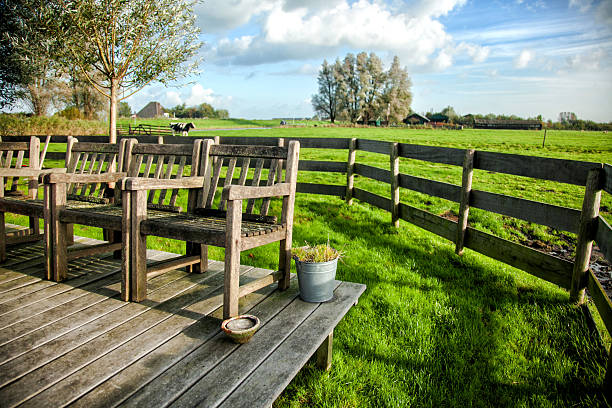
column 569, row 275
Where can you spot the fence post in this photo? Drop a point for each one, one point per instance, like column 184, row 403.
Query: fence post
column 350, row 171
column 395, row 192
column 586, row 235
column 464, row 204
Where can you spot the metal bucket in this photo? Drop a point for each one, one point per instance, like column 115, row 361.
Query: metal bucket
column 316, row 280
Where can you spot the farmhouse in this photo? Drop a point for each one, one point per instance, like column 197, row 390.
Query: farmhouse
column 151, row 110
column 415, row 119
column 507, row 124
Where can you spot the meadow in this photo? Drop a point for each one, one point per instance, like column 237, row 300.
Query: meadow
column 432, row 328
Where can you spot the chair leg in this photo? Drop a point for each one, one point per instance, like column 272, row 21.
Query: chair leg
column 34, row 226
column 193, row 248
column 69, row 234
column 138, row 247
column 284, row 264
column 56, row 251
column 231, row 287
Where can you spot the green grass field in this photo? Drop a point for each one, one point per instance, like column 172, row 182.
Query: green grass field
column 432, row 328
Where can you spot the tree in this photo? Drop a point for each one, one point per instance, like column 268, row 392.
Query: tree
column 372, row 80
column 350, row 87
column 13, row 70
column 397, row 95
column 128, row 43
column 124, row 110
column 327, row 101
column 450, row 112
column 359, row 87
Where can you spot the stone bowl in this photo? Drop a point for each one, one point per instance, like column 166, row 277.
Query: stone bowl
column 240, row 328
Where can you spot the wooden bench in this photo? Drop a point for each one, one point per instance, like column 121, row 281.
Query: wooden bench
column 13, row 168
column 91, row 170
column 202, row 225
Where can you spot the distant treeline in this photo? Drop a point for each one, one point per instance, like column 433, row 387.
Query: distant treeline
column 204, row 110
column 566, row 120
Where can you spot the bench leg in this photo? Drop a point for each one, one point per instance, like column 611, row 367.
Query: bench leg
column 56, row 251
column 69, row 234
column 194, row 248
column 2, row 238
column 231, row 286
column 113, row 237
column 284, row 264
column 135, row 287
column 34, row 226
column 324, row 353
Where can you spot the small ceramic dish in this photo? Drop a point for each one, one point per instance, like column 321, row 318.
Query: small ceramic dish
column 240, row 328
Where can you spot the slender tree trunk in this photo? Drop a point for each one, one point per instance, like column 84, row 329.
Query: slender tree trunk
column 112, row 114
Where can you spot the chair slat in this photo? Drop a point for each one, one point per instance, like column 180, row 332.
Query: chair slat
column 244, row 171
column 179, row 174
column 159, row 168
column 89, row 170
column 265, row 203
column 18, row 165
column 167, row 176
column 228, row 179
column 98, row 170
column 215, row 181
column 109, row 165
column 256, row 178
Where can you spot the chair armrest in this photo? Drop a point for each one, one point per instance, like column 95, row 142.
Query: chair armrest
column 27, row 172
column 82, row 178
column 140, row 183
column 235, row 192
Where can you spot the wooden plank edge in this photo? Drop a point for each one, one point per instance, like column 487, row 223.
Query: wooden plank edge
column 601, row 300
column 323, row 189
column 544, row 266
column 74, row 253
column 603, row 237
column 561, row 218
column 159, row 267
column 260, row 283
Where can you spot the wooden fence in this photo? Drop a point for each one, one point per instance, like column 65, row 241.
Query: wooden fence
column 587, row 224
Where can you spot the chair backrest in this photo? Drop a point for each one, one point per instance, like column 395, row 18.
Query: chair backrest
column 12, row 156
column 259, row 166
column 93, row 158
column 163, row 161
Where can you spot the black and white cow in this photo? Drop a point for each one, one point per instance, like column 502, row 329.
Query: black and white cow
column 182, row 127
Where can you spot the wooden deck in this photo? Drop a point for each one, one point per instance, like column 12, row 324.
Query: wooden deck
column 76, row 343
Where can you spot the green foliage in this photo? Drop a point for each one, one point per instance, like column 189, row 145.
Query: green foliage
column 204, row 110
column 434, row 329
column 358, row 89
column 124, row 110
column 70, row 113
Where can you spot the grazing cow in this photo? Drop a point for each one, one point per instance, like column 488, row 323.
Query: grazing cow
column 182, row 127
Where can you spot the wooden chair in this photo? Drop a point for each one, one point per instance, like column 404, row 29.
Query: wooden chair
column 12, row 170
column 162, row 163
column 227, row 226
column 83, row 195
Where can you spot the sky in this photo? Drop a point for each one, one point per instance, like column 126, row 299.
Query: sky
column 524, row 57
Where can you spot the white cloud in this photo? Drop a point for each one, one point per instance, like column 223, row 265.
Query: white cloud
column 200, row 95
column 588, row 61
column 171, row 99
column 292, row 30
column 523, row 59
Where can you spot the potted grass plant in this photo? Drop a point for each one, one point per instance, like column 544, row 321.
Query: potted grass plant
column 316, row 269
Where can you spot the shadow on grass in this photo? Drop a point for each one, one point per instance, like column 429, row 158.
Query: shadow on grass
column 434, row 329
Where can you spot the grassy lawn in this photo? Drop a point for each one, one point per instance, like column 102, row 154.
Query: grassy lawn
column 435, row 329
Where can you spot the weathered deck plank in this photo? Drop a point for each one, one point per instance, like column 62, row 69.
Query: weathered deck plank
column 76, row 343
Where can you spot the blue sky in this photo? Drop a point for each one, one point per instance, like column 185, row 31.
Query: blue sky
column 524, row 57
